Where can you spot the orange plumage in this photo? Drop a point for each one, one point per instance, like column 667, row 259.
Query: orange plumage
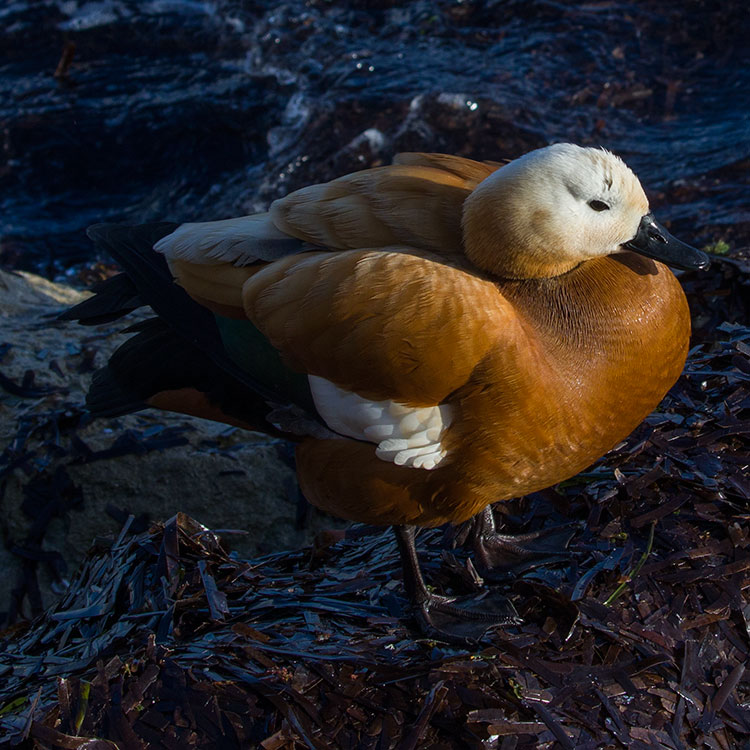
column 469, row 333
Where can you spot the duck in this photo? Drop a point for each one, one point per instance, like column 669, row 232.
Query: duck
column 435, row 335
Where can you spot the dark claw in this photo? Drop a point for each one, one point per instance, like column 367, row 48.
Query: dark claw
column 465, row 619
column 454, row 619
column 497, row 553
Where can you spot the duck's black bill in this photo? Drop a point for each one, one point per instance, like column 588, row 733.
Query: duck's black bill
column 653, row 241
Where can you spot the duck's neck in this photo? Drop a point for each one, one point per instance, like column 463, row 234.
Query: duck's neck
column 605, row 307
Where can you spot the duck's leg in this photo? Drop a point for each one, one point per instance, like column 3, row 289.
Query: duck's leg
column 457, row 619
column 496, row 552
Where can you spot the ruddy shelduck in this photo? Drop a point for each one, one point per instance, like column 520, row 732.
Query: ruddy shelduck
column 437, row 335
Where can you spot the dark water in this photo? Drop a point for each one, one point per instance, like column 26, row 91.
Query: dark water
column 201, row 110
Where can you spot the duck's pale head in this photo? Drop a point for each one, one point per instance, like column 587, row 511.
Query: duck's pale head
column 554, row 208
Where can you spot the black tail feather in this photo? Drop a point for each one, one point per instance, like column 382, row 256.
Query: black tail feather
column 153, row 360
column 182, row 348
column 113, row 298
column 108, row 396
column 150, row 277
column 156, row 360
column 131, row 247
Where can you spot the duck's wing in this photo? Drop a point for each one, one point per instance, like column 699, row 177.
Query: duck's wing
column 417, row 201
column 388, row 338
column 241, row 241
column 369, row 344
column 415, row 204
column 384, row 324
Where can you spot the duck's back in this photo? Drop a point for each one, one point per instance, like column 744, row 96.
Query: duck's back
column 416, row 202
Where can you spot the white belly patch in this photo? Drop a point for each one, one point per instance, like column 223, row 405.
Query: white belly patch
column 405, row 435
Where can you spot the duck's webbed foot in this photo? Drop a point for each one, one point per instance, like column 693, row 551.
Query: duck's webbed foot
column 495, row 553
column 463, row 619
column 454, row 619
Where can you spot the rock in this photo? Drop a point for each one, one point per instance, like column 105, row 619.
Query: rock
column 226, row 477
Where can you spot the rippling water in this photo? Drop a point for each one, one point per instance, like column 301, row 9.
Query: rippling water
column 200, row 110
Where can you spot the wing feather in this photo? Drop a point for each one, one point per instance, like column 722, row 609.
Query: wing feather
column 380, row 323
column 417, row 201
column 469, row 170
column 419, row 206
column 242, row 241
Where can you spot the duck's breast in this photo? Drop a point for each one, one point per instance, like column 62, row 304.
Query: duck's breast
column 603, row 345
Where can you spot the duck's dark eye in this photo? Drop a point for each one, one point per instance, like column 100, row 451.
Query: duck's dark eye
column 599, row 205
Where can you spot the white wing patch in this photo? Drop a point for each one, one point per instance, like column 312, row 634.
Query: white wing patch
column 240, row 241
column 405, row 435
